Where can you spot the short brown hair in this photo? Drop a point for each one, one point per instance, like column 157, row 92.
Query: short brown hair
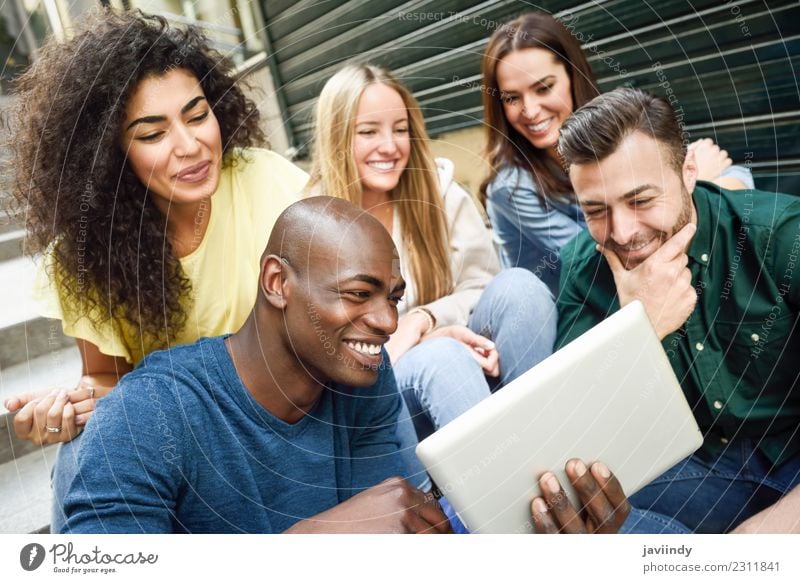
column 596, row 130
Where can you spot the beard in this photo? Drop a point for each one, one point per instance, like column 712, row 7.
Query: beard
column 640, row 240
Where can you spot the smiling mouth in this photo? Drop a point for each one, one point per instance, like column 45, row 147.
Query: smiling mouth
column 383, row 166
column 542, row 126
column 632, row 249
column 364, row 348
column 194, row 173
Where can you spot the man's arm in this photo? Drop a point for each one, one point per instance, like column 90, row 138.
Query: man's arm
column 129, row 462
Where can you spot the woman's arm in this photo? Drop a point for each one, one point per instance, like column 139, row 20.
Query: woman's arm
column 67, row 410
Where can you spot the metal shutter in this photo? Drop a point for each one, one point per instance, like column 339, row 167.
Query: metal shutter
column 731, row 65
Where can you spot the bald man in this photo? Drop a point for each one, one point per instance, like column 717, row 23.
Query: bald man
column 287, row 425
column 290, row 424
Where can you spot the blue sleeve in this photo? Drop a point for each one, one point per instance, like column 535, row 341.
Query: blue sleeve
column 521, row 221
column 740, row 173
column 374, row 444
column 129, row 465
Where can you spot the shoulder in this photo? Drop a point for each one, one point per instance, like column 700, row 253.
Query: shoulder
column 266, row 167
column 580, row 252
column 180, row 370
column 755, row 208
column 511, row 178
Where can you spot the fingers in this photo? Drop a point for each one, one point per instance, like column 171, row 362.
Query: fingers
column 431, row 513
column 676, row 244
column 543, row 521
column 83, row 411
column 69, row 429
column 83, row 392
column 493, row 364
column 614, row 494
column 55, row 412
column 595, row 502
column 23, row 421
column 559, row 513
column 18, row 401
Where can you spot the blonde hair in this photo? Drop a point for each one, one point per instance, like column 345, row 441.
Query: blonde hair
column 416, row 197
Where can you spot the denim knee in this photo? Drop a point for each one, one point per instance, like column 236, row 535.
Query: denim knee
column 429, row 359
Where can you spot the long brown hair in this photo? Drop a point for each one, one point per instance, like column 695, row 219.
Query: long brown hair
column 504, row 145
column 417, row 195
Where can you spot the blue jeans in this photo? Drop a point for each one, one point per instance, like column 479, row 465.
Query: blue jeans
column 638, row 522
column 716, row 496
column 440, row 379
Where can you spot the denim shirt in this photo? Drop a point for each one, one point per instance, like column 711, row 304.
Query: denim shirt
column 531, row 233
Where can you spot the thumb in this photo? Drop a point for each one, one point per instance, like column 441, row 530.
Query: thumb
column 613, row 261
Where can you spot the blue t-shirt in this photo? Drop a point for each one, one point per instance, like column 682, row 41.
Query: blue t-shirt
column 181, row 446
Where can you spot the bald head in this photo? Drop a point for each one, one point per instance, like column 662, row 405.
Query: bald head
column 322, row 227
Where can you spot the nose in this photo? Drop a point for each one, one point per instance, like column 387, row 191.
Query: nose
column 381, row 318
column 623, row 226
column 530, row 106
column 184, row 141
column 388, row 145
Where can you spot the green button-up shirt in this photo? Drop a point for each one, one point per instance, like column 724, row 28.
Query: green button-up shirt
column 737, row 357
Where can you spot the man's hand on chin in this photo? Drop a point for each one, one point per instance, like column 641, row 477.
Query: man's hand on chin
column 662, row 282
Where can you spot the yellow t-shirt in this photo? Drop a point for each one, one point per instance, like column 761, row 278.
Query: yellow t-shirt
column 223, row 270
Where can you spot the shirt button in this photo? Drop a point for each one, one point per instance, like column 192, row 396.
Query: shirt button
column 754, row 337
column 723, row 440
column 704, row 257
column 717, row 404
column 699, row 346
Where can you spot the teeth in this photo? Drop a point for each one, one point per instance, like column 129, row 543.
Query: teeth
column 364, row 348
column 540, row 126
column 381, row 165
column 637, row 247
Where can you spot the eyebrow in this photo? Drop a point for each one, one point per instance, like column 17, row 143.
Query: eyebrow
column 377, row 123
column 160, row 118
column 628, row 195
column 374, row 281
column 534, row 84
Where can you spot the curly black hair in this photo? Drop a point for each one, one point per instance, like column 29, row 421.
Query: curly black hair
column 70, row 178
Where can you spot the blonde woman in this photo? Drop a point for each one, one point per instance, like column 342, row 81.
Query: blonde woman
column 464, row 330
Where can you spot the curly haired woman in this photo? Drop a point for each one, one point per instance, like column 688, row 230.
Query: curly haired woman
column 135, row 161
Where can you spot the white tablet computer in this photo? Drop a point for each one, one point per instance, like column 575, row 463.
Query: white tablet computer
column 609, row 396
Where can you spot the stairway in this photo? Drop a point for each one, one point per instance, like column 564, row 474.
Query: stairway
column 34, row 354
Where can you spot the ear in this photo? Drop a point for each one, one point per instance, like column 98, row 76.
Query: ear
column 689, row 172
column 273, row 281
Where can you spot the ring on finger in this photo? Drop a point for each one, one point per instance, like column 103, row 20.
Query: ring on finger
column 52, row 429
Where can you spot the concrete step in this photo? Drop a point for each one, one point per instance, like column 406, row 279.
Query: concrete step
column 11, row 243
column 23, row 334
column 7, row 225
column 26, row 493
column 59, row 369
